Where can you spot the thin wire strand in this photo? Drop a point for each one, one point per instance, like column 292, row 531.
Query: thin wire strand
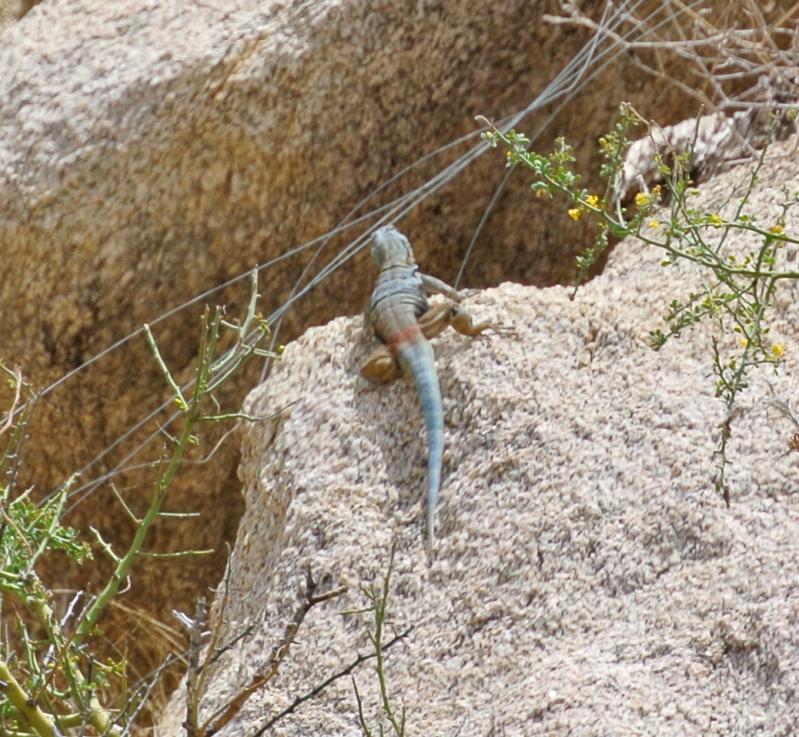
column 570, row 80
column 562, row 84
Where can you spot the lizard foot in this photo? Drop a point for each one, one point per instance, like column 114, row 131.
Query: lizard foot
column 380, row 367
column 462, row 322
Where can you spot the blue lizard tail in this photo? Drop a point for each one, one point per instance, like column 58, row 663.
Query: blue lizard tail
column 417, row 359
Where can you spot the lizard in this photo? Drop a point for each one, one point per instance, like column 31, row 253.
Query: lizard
column 399, row 315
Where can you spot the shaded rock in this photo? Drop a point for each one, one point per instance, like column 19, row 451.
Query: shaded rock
column 716, row 142
column 12, row 10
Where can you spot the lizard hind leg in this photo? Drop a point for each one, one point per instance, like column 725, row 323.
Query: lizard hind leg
column 380, row 367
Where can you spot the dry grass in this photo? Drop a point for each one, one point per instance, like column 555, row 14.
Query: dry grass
column 740, row 55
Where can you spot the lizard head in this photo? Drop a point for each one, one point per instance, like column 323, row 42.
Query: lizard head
column 391, row 248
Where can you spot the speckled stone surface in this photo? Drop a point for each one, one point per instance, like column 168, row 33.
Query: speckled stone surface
column 150, row 151
column 589, row 580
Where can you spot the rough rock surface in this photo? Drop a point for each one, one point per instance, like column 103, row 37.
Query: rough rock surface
column 150, row 151
column 588, row 579
column 8, row 13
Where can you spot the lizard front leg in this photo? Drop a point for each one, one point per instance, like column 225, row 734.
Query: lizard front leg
column 431, row 285
column 438, row 318
column 380, row 367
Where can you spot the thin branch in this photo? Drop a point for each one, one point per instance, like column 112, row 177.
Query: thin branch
column 225, row 713
column 196, row 631
column 316, row 690
column 216, row 630
column 16, row 379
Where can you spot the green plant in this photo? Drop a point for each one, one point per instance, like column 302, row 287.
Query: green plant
column 738, row 284
column 378, row 608
column 52, row 680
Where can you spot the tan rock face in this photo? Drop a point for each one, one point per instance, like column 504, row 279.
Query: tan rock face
column 151, row 151
column 588, row 577
column 12, row 10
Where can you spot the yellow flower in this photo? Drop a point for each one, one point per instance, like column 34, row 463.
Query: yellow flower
column 778, row 350
column 743, row 342
column 575, row 213
column 714, row 219
column 653, row 224
column 644, row 199
column 592, row 200
column 775, row 229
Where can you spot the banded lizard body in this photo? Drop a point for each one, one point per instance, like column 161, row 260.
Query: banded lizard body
column 399, row 315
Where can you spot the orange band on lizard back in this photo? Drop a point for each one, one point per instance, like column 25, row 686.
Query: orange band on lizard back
column 402, row 337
